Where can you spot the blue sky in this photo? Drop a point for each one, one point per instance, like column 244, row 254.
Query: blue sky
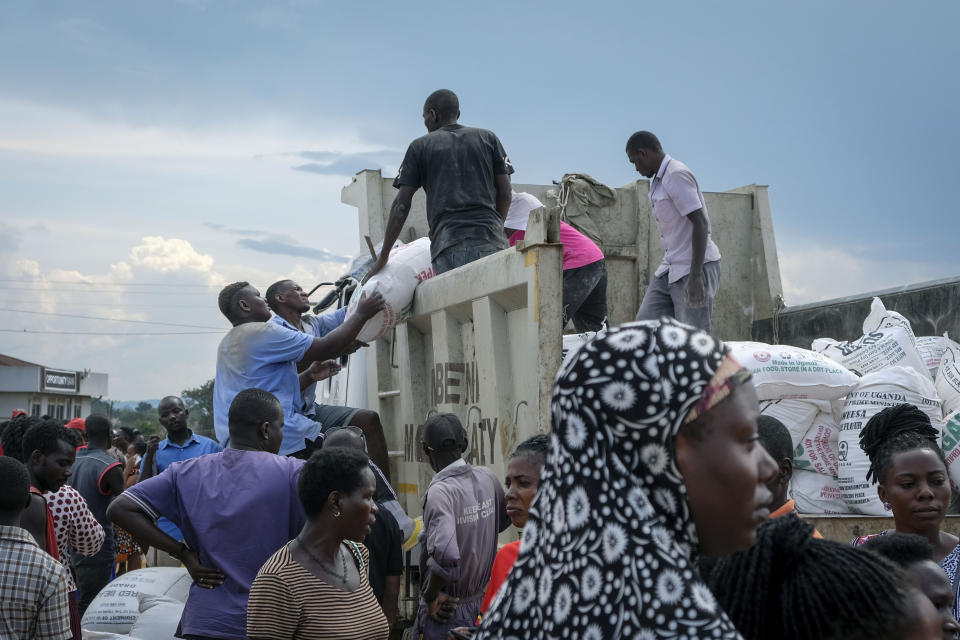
column 197, row 142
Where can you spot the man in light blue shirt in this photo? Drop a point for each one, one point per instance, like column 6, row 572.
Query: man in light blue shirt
column 290, row 303
column 263, row 355
column 180, row 444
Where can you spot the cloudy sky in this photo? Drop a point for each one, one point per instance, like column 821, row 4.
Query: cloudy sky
column 152, row 151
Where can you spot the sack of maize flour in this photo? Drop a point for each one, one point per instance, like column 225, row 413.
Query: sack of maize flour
column 948, row 378
column 817, row 450
column 951, row 446
column 877, row 391
column 816, row 493
column 887, row 341
column 408, row 266
column 796, row 415
column 881, row 318
column 931, row 349
column 782, row 372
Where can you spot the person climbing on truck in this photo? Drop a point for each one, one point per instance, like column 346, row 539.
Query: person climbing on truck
column 258, row 354
column 291, row 303
column 466, row 175
column 584, row 267
column 686, row 282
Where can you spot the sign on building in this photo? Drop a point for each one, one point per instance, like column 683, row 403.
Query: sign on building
column 57, row 380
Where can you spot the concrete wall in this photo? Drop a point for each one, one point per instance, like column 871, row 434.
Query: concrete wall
column 846, row 528
column 25, row 378
column 742, row 228
column 931, row 307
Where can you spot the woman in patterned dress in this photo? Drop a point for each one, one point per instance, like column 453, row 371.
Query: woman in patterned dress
column 653, row 459
column 911, row 474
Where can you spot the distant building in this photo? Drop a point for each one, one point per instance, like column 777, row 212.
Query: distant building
column 41, row 390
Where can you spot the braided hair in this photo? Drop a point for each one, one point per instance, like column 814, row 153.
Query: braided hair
column 537, row 448
column 894, row 430
column 12, row 438
column 792, row 586
column 905, row 549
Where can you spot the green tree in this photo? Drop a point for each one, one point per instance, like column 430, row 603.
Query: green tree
column 199, row 401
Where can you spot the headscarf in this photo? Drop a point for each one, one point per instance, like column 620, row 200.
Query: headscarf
column 609, row 548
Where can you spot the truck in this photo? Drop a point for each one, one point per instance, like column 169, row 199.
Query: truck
column 485, row 341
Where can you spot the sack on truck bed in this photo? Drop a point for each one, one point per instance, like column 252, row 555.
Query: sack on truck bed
column 817, row 450
column 877, row 391
column 816, row 493
column 783, row 372
column 931, row 349
column 951, row 446
column 408, row 266
column 887, row 341
column 948, row 378
column 796, row 415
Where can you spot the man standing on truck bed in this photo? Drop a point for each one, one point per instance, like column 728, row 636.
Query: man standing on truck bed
column 466, row 175
column 686, row 282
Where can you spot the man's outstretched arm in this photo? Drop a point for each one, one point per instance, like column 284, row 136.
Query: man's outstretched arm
column 340, row 339
column 399, row 211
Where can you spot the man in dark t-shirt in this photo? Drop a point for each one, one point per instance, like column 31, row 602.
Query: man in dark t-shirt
column 466, row 175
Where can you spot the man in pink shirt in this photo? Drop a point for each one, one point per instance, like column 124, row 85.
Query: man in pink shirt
column 686, row 282
column 584, row 268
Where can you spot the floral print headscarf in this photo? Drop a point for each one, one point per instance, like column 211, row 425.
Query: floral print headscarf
column 609, row 548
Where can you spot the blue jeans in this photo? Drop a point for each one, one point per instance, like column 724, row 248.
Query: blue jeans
column 665, row 299
column 459, row 255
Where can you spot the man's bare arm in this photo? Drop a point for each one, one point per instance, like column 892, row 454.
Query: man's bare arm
column 389, row 600
column 504, row 194
column 337, row 341
column 696, row 288
column 399, row 211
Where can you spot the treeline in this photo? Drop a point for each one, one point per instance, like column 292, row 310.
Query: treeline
column 199, row 402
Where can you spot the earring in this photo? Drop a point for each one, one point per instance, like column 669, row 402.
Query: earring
column 336, row 514
column 886, row 505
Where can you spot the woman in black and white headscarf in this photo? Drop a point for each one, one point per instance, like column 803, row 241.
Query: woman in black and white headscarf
column 654, row 458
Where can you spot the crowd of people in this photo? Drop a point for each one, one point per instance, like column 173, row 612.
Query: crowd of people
column 656, row 507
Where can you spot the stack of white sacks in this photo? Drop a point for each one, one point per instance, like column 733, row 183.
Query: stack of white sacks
column 826, row 396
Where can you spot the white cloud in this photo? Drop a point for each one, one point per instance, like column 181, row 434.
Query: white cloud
column 45, row 129
column 156, row 253
column 813, row 271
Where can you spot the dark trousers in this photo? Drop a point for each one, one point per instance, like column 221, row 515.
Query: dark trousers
column 585, row 296
column 91, row 578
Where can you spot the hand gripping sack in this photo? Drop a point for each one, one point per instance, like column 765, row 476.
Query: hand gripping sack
column 876, row 391
column 408, row 266
column 816, row 493
column 782, row 372
column 948, row 378
column 817, row 450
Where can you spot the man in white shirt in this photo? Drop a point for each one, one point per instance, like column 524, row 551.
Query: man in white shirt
column 686, row 282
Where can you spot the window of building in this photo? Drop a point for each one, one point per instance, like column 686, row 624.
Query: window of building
column 76, row 410
column 57, row 408
column 35, row 408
